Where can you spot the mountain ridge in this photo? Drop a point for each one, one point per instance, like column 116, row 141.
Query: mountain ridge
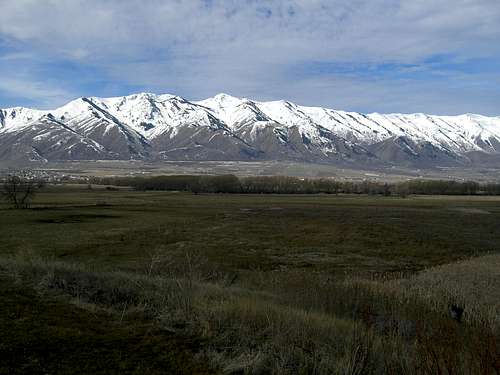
column 147, row 126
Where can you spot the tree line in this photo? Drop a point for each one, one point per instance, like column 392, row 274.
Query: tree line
column 294, row 185
column 20, row 189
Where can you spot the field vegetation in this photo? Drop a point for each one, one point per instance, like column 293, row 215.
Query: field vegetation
column 108, row 279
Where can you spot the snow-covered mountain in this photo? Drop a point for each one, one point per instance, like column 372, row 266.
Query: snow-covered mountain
column 167, row 127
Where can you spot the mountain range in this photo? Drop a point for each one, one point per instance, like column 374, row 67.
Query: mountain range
column 167, row 127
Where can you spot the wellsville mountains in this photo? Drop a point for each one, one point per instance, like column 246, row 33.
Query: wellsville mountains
column 167, row 127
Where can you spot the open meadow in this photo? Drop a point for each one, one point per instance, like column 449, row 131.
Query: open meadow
column 111, row 280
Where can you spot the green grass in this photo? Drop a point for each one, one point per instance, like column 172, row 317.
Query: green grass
column 124, row 229
column 124, row 281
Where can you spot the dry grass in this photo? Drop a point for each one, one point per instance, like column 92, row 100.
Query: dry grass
column 322, row 285
column 296, row 322
column 472, row 284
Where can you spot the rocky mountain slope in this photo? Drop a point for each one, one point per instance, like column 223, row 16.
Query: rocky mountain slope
column 167, row 127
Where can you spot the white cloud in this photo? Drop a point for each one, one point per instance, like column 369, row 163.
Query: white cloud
column 44, row 94
column 198, row 48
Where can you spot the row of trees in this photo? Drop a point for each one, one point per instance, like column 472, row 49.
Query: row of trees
column 294, row 185
column 19, row 190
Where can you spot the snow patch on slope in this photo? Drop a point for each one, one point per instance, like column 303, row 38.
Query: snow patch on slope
column 144, row 117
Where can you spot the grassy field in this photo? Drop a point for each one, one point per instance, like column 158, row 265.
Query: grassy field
column 152, row 282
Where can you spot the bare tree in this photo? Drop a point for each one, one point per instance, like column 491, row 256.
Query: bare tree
column 19, row 190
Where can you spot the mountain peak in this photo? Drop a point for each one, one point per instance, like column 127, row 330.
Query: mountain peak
column 173, row 127
column 224, row 96
column 142, row 95
column 224, row 99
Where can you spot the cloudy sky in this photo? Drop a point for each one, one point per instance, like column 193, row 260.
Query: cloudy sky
column 434, row 56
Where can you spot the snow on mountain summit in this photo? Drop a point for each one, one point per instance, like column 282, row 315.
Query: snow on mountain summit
column 146, row 119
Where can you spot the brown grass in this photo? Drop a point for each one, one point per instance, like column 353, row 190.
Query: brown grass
column 297, row 322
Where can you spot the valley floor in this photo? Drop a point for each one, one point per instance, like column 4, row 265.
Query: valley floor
column 133, row 282
column 106, row 168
